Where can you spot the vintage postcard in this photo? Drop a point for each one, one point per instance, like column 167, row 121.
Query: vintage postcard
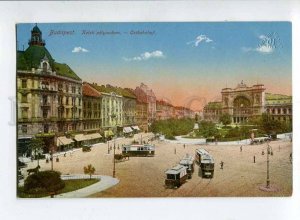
column 154, row 109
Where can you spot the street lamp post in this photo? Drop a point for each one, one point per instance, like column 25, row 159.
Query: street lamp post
column 115, row 124
column 268, row 161
column 114, row 168
column 51, row 158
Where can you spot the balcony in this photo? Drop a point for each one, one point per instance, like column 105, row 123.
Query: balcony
column 46, row 105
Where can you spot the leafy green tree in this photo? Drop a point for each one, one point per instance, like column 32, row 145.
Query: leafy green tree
column 225, row 119
column 36, row 145
column 44, row 181
column 90, row 170
column 173, row 127
column 270, row 125
column 208, row 129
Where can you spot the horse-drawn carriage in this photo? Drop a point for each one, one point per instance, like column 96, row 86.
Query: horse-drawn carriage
column 120, row 157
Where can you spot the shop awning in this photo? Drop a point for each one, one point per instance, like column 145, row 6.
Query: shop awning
column 127, row 129
column 79, row 137
column 108, row 133
column 92, row 136
column 63, row 141
column 136, row 128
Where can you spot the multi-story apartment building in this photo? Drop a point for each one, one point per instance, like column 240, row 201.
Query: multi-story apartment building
column 92, row 100
column 164, row 110
column 111, row 109
column 49, row 102
column 183, row 112
column 142, row 115
column 143, row 92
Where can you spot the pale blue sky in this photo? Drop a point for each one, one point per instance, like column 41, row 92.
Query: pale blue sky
column 178, row 58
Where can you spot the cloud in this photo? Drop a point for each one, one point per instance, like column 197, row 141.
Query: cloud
column 266, row 45
column 263, row 37
column 79, row 50
column 146, row 56
column 200, row 39
column 266, row 49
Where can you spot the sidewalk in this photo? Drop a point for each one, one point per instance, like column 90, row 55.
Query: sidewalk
column 104, row 183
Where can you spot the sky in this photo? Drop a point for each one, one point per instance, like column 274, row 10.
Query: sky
column 185, row 63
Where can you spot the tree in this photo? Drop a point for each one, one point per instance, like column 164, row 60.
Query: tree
column 89, row 170
column 225, row 119
column 44, row 181
column 36, row 145
column 270, row 125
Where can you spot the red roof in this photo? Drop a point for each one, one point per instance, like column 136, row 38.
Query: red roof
column 88, row 90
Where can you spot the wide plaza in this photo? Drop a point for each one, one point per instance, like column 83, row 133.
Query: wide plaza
column 144, row 176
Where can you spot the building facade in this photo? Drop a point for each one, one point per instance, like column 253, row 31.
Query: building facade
column 244, row 102
column 111, row 109
column 49, row 94
column 92, row 101
column 142, row 115
column 279, row 107
column 164, row 110
column 143, row 92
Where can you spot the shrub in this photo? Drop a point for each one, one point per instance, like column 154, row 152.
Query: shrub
column 90, row 170
column 44, row 181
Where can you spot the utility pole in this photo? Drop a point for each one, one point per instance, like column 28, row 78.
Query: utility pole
column 52, row 158
column 114, row 169
column 268, row 174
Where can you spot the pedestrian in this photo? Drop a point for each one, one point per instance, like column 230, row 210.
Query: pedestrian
column 222, row 164
column 291, row 157
column 241, row 148
column 184, row 146
column 254, row 159
column 175, row 150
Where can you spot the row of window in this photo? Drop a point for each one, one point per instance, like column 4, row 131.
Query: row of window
column 46, row 85
column 279, row 111
column 45, row 112
column 46, row 128
column 45, row 101
column 92, row 126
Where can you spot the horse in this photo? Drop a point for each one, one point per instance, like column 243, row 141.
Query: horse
column 33, row 170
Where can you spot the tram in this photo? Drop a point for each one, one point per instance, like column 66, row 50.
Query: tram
column 188, row 162
column 206, row 163
column 142, row 150
column 176, row 176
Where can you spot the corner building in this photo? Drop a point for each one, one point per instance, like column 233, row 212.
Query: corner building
column 49, row 95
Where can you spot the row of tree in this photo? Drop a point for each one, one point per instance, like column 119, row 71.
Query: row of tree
column 173, row 127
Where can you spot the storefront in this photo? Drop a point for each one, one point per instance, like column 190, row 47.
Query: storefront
column 88, row 139
column 63, row 143
column 127, row 131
